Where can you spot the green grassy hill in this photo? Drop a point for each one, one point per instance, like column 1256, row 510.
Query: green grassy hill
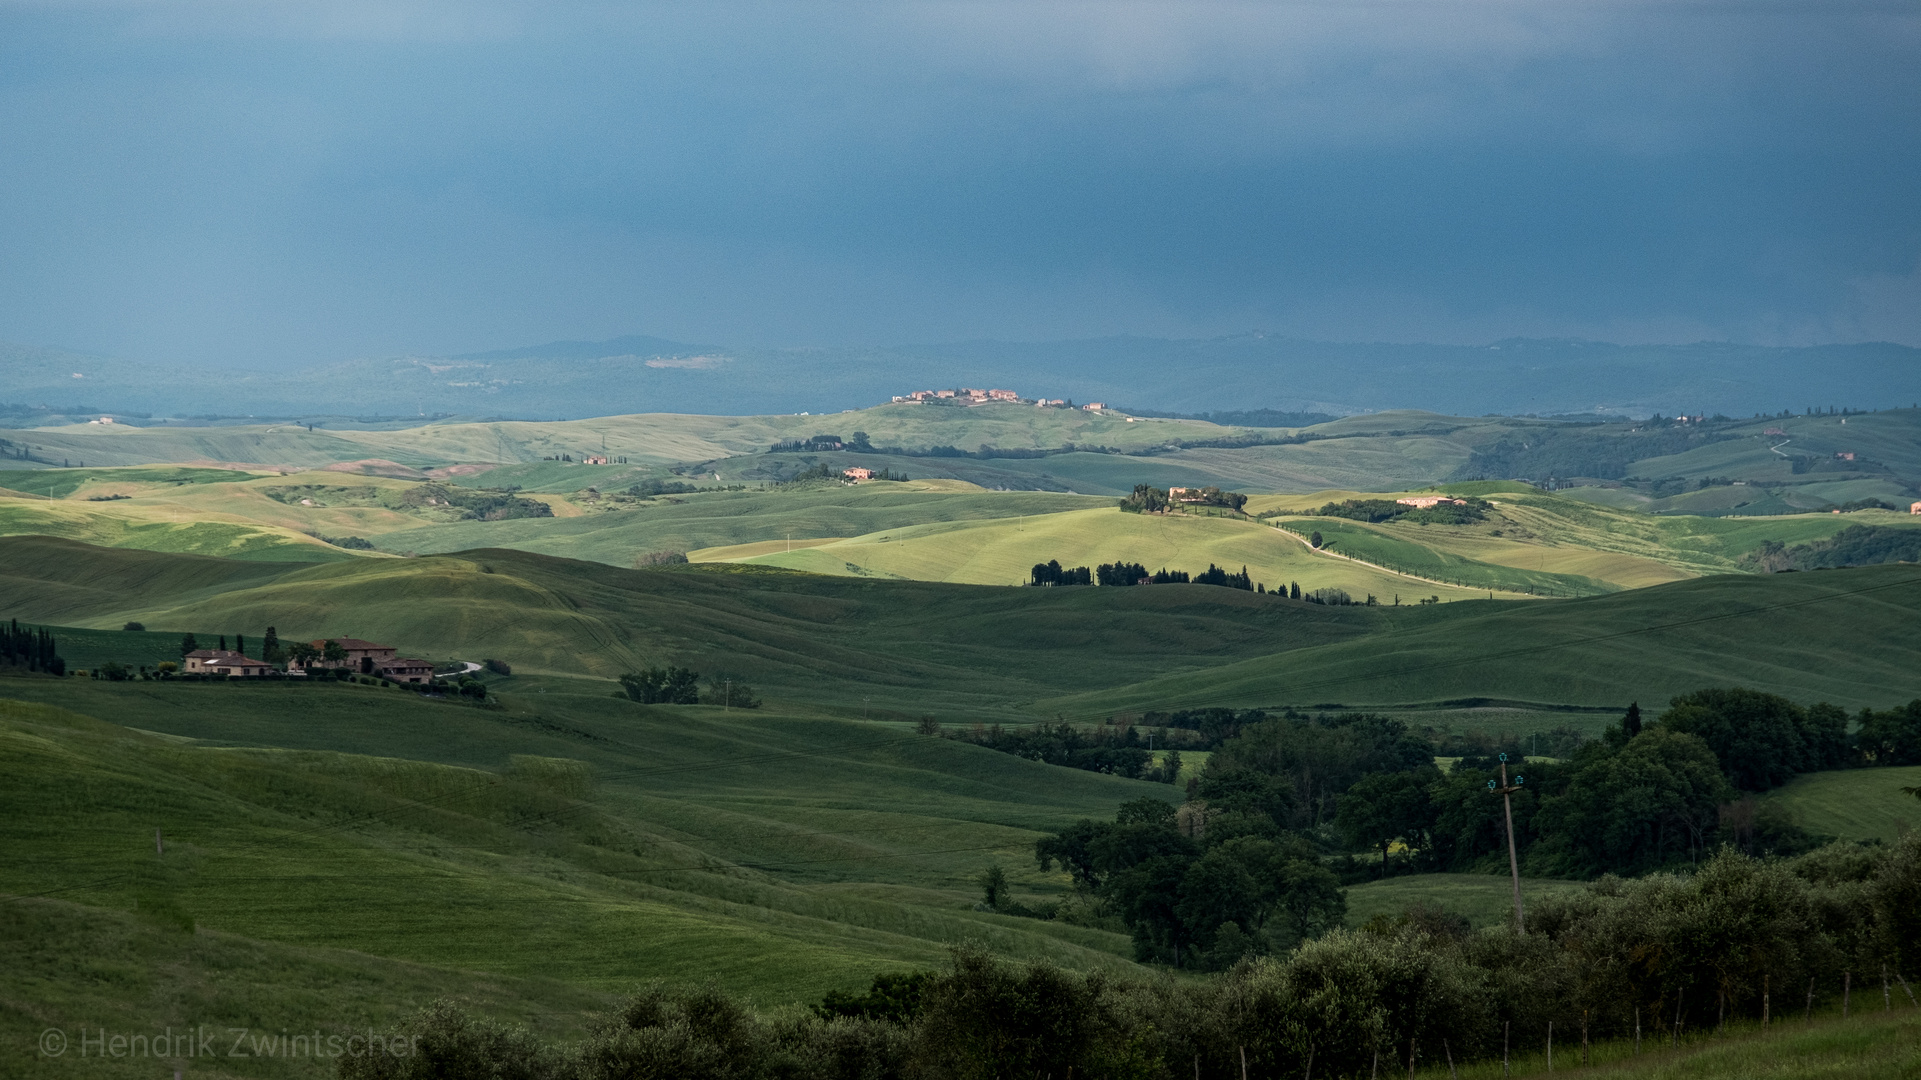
column 778, row 856
column 1839, row 636
column 1857, row 804
column 917, row 647
column 1003, row 552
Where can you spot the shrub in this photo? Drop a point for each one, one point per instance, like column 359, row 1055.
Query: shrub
column 134, row 626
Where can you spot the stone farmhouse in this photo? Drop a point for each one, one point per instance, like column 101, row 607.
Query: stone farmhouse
column 223, row 662
column 1424, row 502
column 369, row 658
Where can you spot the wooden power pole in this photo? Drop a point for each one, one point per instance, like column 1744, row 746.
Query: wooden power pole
column 1506, row 792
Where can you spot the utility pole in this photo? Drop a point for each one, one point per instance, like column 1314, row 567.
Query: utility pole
column 1506, row 792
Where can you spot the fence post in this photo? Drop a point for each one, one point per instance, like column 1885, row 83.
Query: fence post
column 1847, row 992
column 1550, row 1046
column 1637, row 1030
column 1764, row 1000
column 1810, row 1016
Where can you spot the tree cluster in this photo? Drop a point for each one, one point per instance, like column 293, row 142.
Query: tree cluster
column 663, row 686
column 1052, row 573
column 32, row 649
column 1119, row 750
column 1122, row 573
column 1640, row 799
column 647, row 489
column 1148, row 499
column 476, row 505
column 1203, row 892
column 1379, row 510
column 1215, row 575
column 1856, row 545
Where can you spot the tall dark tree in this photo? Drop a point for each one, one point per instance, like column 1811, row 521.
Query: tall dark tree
column 1631, row 723
column 188, row 644
column 270, row 646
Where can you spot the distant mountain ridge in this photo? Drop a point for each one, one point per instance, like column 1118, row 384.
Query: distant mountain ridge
column 639, row 373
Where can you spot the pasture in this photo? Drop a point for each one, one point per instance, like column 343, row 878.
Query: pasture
column 1854, row 804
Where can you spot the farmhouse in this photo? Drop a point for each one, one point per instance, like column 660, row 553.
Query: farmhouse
column 1915, row 508
column 358, row 650
column 1423, row 502
column 407, row 671
column 595, row 459
column 858, row 473
column 223, row 662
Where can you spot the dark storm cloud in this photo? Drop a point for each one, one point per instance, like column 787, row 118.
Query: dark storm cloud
column 268, row 182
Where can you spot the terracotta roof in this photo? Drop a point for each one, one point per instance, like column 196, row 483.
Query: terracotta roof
column 239, row 661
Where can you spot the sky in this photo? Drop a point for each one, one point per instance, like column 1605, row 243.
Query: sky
column 269, row 184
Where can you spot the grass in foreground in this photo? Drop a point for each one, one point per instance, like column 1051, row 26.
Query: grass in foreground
column 1871, row 1044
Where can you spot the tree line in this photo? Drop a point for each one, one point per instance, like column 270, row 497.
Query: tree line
column 1663, row 958
column 674, row 685
column 34, row 650
column 1642, row 799
column 1117, row 750
column 1148, row 499
column 1856, row 545
column 1468, row 509
column 1052, row 573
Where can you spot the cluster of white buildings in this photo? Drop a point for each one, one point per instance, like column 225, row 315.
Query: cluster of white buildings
column 968, row 395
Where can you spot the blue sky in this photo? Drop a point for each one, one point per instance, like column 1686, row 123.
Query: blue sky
column 281, row 183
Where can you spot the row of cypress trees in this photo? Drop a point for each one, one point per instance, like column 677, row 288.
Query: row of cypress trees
column 32, row 649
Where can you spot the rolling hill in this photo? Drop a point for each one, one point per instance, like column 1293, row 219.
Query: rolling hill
column 958, row 650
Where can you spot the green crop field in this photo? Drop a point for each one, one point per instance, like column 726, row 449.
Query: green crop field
column 1857, row 804
column 1484, row 899
column 1003, row 552
column 781, row 856
column 1647, row 644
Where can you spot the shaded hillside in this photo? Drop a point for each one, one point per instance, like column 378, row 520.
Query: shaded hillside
column 957, row 650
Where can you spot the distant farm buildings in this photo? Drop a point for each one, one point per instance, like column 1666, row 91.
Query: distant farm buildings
column 1915, row 508
column 1428, row 502
column 366, row 657
column 595, row 459
column 858, row 473
column 223, row 662
column 973, row 395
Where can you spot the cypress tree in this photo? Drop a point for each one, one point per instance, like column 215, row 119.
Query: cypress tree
column 1631, row 723
column 188, row 644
